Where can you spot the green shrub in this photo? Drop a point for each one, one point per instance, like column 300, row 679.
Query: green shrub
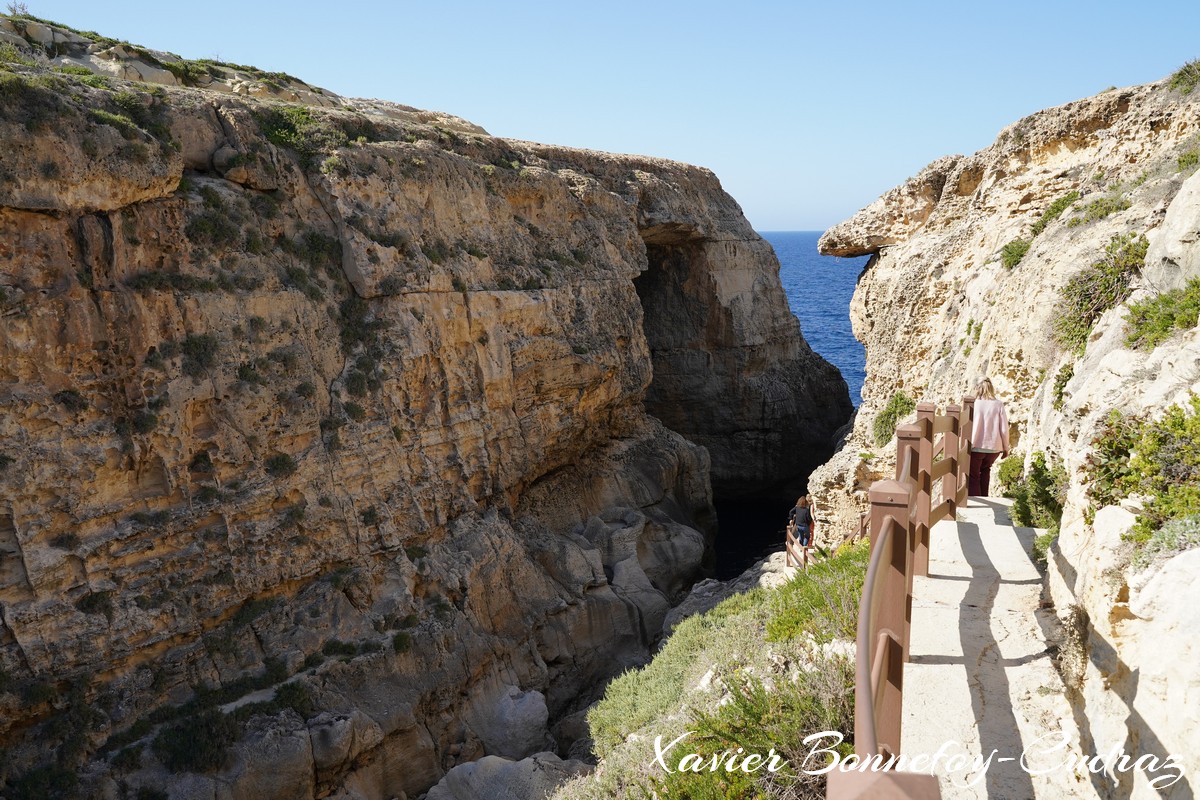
column 1053, row 212
column 822, row 601
column 1012, row 253
column 335, row 647
column 49, row 782
column 9, row 54
column 199, row 353
column 402, row 642
column 436, row 251
column 356, row 383
column 1011, row 470
column 370, row 516
column 1185, row 78
column 1175, row 536
column 1041, row 546
column 280, row 465
column 807, row 604
column 198, row 743
column 299, row 129
column 391, row 285
column 297, row 697
column 1099, row 209
column 1096, row 289
column 757, row 720
column 1188, row 160
column 145, row 282
column 1152, row 321
column 355, row 412
column 1065, row 373
column 1039, row 496
column 356, row 327
column 1161, row 462
column 190, row 72
column 900, row 406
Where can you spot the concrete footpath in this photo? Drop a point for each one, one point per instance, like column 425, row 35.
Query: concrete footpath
column 980, row 684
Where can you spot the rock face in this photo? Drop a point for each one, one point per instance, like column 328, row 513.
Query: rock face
column 355, row 400
column 937, row 310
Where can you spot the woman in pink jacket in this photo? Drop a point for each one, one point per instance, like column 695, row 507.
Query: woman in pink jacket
column 989, row 438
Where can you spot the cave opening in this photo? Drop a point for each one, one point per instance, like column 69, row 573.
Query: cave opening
column 700, row 371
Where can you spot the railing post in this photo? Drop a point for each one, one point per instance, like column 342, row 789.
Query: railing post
column 891, row 499
column 953, row 440
column 924, row 491
column 908, row 470
column 966, row 425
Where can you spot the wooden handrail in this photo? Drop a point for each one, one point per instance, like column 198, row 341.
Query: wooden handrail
column 901, row 514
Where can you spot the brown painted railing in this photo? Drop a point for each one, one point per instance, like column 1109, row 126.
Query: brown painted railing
column 933, row 451
column 794, row 551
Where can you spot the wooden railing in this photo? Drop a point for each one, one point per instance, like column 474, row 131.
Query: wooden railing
column 935, row 451
column 793, row 550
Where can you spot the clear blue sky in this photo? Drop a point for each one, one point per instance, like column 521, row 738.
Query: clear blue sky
column 806, row 112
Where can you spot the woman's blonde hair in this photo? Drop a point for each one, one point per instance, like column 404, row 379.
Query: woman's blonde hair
column 985, row 390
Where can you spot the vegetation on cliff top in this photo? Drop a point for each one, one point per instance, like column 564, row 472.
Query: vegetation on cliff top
column 764, row 702
column 1186, row 77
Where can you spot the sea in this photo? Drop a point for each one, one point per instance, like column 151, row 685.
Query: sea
column 818, row 290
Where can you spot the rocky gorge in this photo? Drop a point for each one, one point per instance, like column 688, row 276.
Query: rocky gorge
column 342, row 443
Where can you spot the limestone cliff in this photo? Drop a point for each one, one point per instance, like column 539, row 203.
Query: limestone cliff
column 947, row 298
column 346, row 421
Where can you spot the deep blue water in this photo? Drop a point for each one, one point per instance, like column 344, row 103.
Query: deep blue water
column 818, row 290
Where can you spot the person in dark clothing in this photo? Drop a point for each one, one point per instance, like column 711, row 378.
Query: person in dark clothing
column 801, row 521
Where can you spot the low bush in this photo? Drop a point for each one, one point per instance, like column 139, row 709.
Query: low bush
column 1010, row 471
column 1188, row 160
column 825, row 602
column 1038, row 496
column 335, row 647
column 1096, row 289
column 1061, row 379
column 1152, row 321
column 299, row 129
column 145, row 282
column 280, row 465
column 199, row 353
column 900, row 406
column 1158, row 459
column 1100, row 208
column 1175, row 536
column 1053, row 212
column 198, row 743
column 1185, row 78
column 1012, row 253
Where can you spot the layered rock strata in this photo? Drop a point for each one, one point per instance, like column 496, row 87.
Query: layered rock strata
column 938, row 309
column 352, row 401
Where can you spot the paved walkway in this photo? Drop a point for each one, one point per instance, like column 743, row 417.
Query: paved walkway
column 980, row 682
